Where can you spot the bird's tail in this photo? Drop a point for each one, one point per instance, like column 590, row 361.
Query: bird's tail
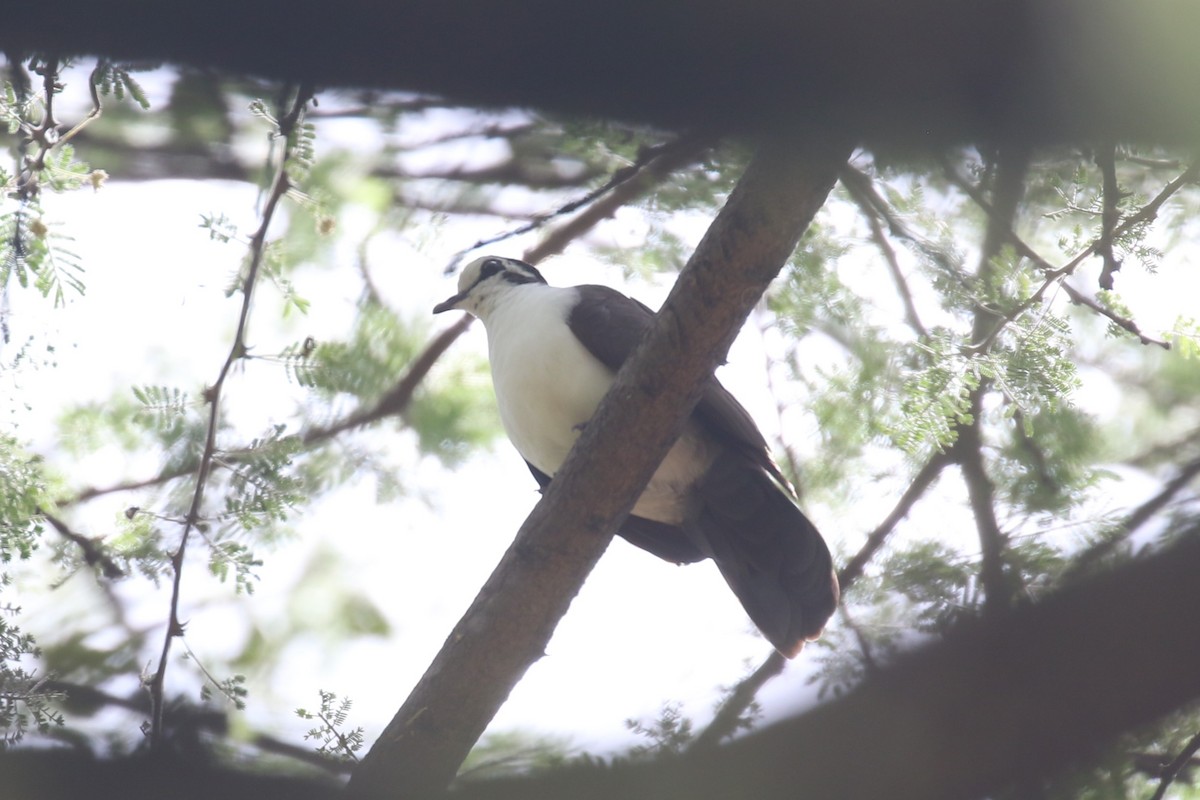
column 770, row 554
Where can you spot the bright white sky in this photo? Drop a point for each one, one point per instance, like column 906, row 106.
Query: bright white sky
column 643, row 632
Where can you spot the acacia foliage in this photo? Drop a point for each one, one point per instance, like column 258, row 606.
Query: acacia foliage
column 904, row 338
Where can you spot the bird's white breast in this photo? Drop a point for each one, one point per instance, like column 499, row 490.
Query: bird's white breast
column 548, row 386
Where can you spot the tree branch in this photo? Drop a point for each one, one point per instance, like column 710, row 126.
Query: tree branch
column 921, row 482
column 94, row 553
column 1119, row 320
column 1106, row 160
column 858, row 185
column 237, row 350
column 967, row 451
column 1001, row 702
column 1172, row 770
column 667, row 159
column 1055, row 275
column 724, row 722
column 507, row 627
column 627, row 183
column 1135, row 520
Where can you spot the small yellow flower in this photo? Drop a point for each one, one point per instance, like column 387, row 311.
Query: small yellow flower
column 38, row 229
column 97, row 177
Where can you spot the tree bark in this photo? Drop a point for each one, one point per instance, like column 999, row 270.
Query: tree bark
column 1006, row 702
column 508, row 626
column 917, row 74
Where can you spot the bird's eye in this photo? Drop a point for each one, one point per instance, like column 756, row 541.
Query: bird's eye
column 490, row 268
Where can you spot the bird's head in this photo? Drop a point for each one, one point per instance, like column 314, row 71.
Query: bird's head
column 485, row 279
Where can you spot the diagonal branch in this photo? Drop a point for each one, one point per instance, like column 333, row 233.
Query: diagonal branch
column 509, row 624
column 1135, row 520
column 921, row 482
column 1055, row 275
column 858, row 185
column 1119, row 320
column 94, row 553
column 1001, row 702
column 1172, row 770
column 724, row 722
column 279, row 188
column 666, row 160
column 655, row 161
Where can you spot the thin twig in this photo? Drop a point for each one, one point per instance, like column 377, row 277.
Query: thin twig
column 666, row 159
column 1119, row 320
column 854, row 181
column 920, row 483
column 93, row 551
column 789, row 452
column 1135, row 520
column 279, row 188
column 728, row 717
column 622, row 176
column 397, row 399
column 343, row 742
column 1171, row 771
column 97, row 106
column 1054, row 275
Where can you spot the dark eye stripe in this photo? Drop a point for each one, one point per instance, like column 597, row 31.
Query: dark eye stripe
column 509, row 270
column 523, row 273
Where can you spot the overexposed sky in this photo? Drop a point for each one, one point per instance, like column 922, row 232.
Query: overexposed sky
column 642, row 632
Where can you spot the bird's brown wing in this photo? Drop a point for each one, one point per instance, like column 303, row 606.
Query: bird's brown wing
column 625, row 322
column 745, row 516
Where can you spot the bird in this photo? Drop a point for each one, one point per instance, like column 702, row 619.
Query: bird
column 555, row 351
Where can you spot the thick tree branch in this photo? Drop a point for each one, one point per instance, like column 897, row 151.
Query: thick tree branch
column 507, row 627
column 1177, row 764
column 917, row 74
column 1001, row 702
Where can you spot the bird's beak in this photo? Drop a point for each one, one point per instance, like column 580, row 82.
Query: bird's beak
column 449, row 303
